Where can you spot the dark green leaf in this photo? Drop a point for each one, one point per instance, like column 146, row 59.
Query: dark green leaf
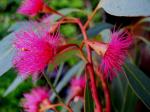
column 139, row 82
column 123, row 98
column 118, row 91
column 129, row 100
column 89, row 105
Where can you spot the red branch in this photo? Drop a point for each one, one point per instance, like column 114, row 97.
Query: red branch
column 106, row 90
column 93, row 88
column 91, row 71
column 90, row 68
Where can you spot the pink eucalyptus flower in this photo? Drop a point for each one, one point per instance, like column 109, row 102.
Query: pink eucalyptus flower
column 33, row 100
column 78, row 86
column 115, row 53
column 31, row 7
column 34, row 52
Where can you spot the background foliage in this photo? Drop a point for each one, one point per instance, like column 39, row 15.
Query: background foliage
column 128, row 93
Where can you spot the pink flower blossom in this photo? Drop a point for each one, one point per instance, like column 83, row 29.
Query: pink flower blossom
column 33, row 100
column 31, row 7
column 34, row 52
column 115, row 53
column 77, row 86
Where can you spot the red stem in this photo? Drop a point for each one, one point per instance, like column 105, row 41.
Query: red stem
column 106, row 90
column 94, row 89
column 85, row 39
column 77, row 21
column 102, row 78
column 91, row 71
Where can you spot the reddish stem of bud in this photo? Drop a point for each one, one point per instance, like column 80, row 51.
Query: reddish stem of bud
column 93, row 88
column 47, row 9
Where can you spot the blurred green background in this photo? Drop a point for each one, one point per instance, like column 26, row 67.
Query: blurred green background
column 8, row 16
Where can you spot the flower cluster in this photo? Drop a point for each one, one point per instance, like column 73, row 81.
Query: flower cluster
column 34, row 52
column 116, row 53
column 33, row 100
column 113, row 53
column 77, row 86
column 31, row 7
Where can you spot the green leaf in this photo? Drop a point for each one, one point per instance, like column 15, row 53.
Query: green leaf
column 21, row 24
column 89, row 105
column 71, row 72
column 59, row 72
column 118, row 91
column 6, row 43
column 139, row 82
column 96, row 29
column 126, row 7
column 6, row 61
column 18, row 80
column 7, row 53
column 29, row 25
column 61, row 58
column 129, row 100
column 122, row 97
